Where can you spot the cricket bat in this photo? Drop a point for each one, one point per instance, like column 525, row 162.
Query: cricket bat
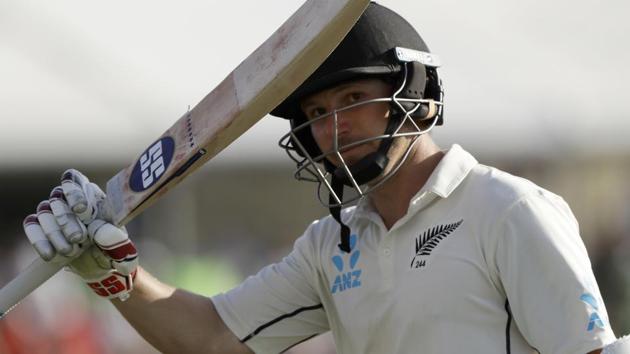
column 263, row 80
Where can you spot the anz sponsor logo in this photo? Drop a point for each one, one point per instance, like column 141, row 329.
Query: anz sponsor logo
column 152, row 164
column 594, row 319
column 349, row 276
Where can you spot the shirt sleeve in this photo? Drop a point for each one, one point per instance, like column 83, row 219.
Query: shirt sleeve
column 544, row 268
column 277, row 308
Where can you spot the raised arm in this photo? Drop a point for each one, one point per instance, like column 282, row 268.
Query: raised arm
column 175, row 320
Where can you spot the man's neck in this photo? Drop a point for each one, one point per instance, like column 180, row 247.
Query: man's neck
column 391, row 200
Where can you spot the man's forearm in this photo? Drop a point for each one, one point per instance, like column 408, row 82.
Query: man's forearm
column 174, row 320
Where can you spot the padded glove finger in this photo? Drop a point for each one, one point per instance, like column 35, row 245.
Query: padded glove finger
column 38, row 239
column 83, row 197
column 52, row 230
column 73, row 229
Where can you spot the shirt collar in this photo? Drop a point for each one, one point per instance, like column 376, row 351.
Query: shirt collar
column 450, row 172
column 447, row 175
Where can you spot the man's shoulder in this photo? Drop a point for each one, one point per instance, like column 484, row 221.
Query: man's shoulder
column 499, row 189
column 488, row 196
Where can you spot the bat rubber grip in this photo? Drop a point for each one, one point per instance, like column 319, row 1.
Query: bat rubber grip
column 28, row 280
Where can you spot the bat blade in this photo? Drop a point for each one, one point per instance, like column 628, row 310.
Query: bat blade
column 246, row 95
column 253, row 89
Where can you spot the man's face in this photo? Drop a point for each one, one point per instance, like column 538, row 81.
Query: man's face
column 362, row 122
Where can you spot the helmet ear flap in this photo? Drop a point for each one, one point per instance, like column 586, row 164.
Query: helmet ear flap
column 433, row 91
column 419, row 85
column 415, row 83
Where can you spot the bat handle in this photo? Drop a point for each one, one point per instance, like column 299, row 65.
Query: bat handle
column 28, row 280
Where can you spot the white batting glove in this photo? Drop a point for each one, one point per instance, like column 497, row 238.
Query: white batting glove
column 102, row 254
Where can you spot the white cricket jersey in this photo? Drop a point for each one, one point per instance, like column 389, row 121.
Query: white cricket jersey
column 483, row 262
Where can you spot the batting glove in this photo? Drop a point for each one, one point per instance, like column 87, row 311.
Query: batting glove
column 72, row 224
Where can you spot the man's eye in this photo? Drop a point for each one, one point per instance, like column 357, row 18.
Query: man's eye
column 355, row 97
column 316, row 112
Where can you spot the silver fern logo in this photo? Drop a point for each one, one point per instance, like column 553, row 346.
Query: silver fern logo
column 426, row 242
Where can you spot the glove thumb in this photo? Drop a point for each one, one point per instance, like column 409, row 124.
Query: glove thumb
column 115, row 243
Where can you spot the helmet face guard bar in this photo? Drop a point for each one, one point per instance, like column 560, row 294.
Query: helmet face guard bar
column 319, row 169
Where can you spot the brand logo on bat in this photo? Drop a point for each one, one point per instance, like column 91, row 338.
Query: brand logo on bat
column 152, row 164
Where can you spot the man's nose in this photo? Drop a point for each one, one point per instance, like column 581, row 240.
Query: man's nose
column 338, row 122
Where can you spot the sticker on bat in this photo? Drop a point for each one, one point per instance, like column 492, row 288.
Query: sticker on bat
column 152, row 164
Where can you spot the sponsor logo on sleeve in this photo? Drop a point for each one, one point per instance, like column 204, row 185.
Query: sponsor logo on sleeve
column 594, row 319
column 348, row 276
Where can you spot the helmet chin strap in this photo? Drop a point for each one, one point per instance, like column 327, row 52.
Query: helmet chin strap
column 368, row 168
column 335, row 211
